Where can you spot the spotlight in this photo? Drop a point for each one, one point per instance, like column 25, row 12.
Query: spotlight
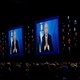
column 63, row 37
column 62, row 30
column 69, row 30
column 32, row 36
column 69, row 41
column 68, row 17
column 68, row 33
column 28, row 27
column 32, row 30
column 75, row 33
column 64, row 44
column 69, row 48
column 75, row 21
column 28, row 45
column 74, row 29
column 68, row 25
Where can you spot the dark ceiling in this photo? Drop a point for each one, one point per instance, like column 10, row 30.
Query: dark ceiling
column 31, row 7
column 16, row 11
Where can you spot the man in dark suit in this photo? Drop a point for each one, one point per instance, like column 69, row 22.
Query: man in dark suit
column 15, row 44
column 46, row 40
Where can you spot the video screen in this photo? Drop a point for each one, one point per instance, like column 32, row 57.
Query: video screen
column 47, row 36
column 15, row 40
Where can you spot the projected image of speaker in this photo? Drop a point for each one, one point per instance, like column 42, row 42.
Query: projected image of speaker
column 15, row 40
column 47, row 36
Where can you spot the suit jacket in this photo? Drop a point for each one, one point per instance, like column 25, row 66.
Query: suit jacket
column 49, row 43
column 16, row 47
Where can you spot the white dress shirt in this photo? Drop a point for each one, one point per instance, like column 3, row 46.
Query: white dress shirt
column 15, row 49
column 46, row 38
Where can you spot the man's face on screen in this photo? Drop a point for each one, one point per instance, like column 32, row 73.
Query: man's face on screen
column 46, row 28
column 14, row 35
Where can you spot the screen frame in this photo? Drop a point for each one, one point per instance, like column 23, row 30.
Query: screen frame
column 43, row 20
column 12, row 28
